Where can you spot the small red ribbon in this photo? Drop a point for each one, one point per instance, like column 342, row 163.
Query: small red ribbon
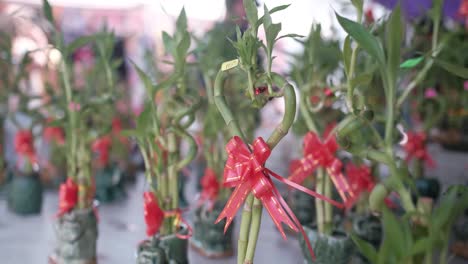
column 24, row 145
column 154, row 216
column 416, row 148
column 101, row 146
column 68, row 197
column 318, row 153
column 246, row 172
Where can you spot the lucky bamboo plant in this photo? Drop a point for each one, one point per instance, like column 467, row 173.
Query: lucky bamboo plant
column 160, row 128
column 74, row 107
column 244, row 168
column 419, row 242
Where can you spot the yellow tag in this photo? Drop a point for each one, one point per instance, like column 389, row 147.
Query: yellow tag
column 229, row 64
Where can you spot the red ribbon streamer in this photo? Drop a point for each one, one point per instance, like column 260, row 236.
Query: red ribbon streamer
column 68, row 197
column 24, row 145
column 154, row 216
column 246, row 172
column 318, row 153
column 416, row 148
column 102, row 146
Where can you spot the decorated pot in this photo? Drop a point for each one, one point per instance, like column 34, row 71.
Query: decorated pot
column 208, row 238
column 163, row 250
column 303, row 206
column 428, row 187
column 77, row 237
column 336, row 248
column 25, row 194
column 368, row 228
column 109, row 184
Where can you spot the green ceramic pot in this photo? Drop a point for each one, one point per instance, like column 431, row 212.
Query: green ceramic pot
column 208, row 238
column 163, row 250
column 368, row 228
column 428, row 187
column 109, row 184
column 77, row 237
column 25, row 194
column 337, row 248
column 303, row 206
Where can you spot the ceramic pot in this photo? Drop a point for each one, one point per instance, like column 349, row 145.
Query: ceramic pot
column 303, row 206
column 336, row 248
column 368, row 228
column 428, row 187
column 109, row 184
column 25, row 194
column 77, row 238
column 163, row 250
column 208, row 238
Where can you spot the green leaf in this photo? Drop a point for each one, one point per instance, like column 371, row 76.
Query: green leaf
column 131, row 133
column 80, row 42
column 347, row 53
column 393, row 233
column 148, row 84
column 266, row 17
column 183, row 46
column 411, row 63
column 47, row 11
column 358, row 4
column 365, row 248
column 393, row 39
column 273, row 10
column 251, row 11
column 144, row 119
column 181, row 23
column 362, row 79
column 421, row 246
column 365, row 39
column 168, row 42
column 452, row 68
column 271, row 34
column 292, row 35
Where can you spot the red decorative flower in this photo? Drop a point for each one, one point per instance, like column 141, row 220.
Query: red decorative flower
column 55, row 134
column 415, row 148
column 101, row 146
column 154, row 215
column 24, row 145
column 210, row 185
column 360, row 178
column 68, row 197
column 260, row 90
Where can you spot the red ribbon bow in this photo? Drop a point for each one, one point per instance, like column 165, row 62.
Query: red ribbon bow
column 68, row 197
column 322, row 153
column 102, row 146
column 24, row 145
column 246, row 172
column 415, row 148
column 154, row 216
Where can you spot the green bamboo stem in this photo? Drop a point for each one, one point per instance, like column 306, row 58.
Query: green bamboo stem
column 254, row 230
column 350, row 90
column 306, row 115
column 244, row 229
column 328, row 221
column 319, row 184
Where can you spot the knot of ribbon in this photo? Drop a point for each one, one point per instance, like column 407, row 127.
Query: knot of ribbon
column 245, row 171
column 101, row 146
column 415, row 148
column 24, row 145
column 154, row 216
column 318, row 153
column 68, row 197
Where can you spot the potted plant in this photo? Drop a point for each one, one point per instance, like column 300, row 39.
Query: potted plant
column 245, row 169
column 160, row 128
column 76, row 225
column 417, row 222
column 310, row 70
